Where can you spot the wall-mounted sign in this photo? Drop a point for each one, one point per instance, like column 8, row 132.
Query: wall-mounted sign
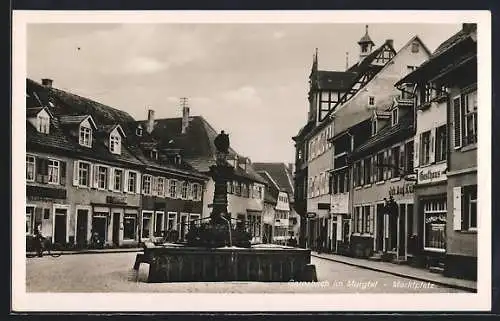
column 311, row 215
column 116, row 200
column 323, row 206
column 431, row 174
column 404, row 189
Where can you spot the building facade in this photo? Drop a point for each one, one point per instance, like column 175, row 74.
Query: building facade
column 447, row 85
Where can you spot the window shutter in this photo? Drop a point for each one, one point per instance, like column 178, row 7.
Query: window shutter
column 389, row 162
column 384, row 163
column 62, row 173
column 179, row 189
column 464, row 103
column 457, row 208
column 457, row 119
column 374, row 169
column 138, row 183
column 111, row 175
column 190, row 191
column 166, row 188
column 76, row 165
column 125, row 180
column 355, row 176
column 330, row 184
column 362, row 174
column 402, row 165
column 432, row 147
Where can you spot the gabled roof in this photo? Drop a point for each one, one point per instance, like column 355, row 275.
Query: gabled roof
column 109, row 128
column 279, row 174
column 77, row 120
column 34, row 111
column 334, row 80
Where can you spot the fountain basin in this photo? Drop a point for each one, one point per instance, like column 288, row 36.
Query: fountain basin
column 265, row 263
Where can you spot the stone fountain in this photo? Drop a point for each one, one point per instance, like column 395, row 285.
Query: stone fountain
column 218, row 250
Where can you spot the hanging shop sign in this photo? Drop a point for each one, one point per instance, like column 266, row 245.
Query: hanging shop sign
column 311, row 215
column 432, row 174
column 440, row 219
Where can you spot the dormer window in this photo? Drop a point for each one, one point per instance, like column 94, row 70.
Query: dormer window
column 43, row 123
column 374, row 127
column 153, row 154
column 395, row 115
column 138, row 131
column 85, row 136
column 177, row 159
column 115, row 143
column 371, row 101
column 415, row 47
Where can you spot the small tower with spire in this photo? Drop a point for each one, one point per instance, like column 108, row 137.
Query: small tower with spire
column 365, row 45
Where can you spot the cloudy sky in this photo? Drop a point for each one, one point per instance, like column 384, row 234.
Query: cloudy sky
column 248, row 79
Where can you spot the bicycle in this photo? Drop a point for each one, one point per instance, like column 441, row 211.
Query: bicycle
column 52, row 249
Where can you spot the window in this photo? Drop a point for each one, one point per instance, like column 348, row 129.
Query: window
column 196, row 192
column 115, row 144
column 85, row 136
column 102, row 177
column 43, row 124
column 409, row 157
column 415, row 46
column 53, row 171
column 173, row 188
column 395, row 161
column 380, row 168
column 441, row 143
column 368, row 170
column 358, row 218
column 259, row 192
column 146, row 224
column 470, row 117
column 160, row 186
column 172, row 221
column 364, row 47
column 159, row 217
column 395, row 115
column 435, row 224
column 357, row 173
column 138, row 131
column 129, row 226
column 237, row 188
column 410, row 68
column 83, row 174
column 30, row 168
column 154, row 154
column 371, row 101
column 117, row 179
column 184, row 190
column 470, row 204
column 425, row 147
column 132, row 182
column 146, row 184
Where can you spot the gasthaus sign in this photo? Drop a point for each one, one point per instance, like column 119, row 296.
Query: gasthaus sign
column 432, row 174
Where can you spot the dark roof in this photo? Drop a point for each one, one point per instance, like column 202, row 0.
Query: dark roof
column 304, row 130
column 66, row 103
column 459, row 38
column 55, row 139
column 270, row 198
column 398, row 132
column 197, row 143
column 335, row 80
column 279, row 173
column 72, row 119
column 33, row 111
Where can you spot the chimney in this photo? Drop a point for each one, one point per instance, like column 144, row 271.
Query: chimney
column 185, row 115
column 390, row 42
column 47, row 82
column 151, row 121
column 469, row 27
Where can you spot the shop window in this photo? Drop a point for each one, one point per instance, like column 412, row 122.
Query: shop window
column 172, row 221
column 30, row 214
column 435, row 224
column 441, row 143
column 146, row 224
column 358, row 220
column 30, row 168
column 129, row 226
column 159, row 216
column 367, row 220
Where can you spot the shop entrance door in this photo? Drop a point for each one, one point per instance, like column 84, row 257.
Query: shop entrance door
column 116, row 228
column 60, row 226
column 81, row 227
column 380, row 228
column 333, row 246
column 99, row 227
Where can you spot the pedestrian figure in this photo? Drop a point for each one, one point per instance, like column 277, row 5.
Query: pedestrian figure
column 38, row 242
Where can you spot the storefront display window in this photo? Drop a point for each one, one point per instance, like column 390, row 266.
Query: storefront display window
column 129, row 226
column 435, row 225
